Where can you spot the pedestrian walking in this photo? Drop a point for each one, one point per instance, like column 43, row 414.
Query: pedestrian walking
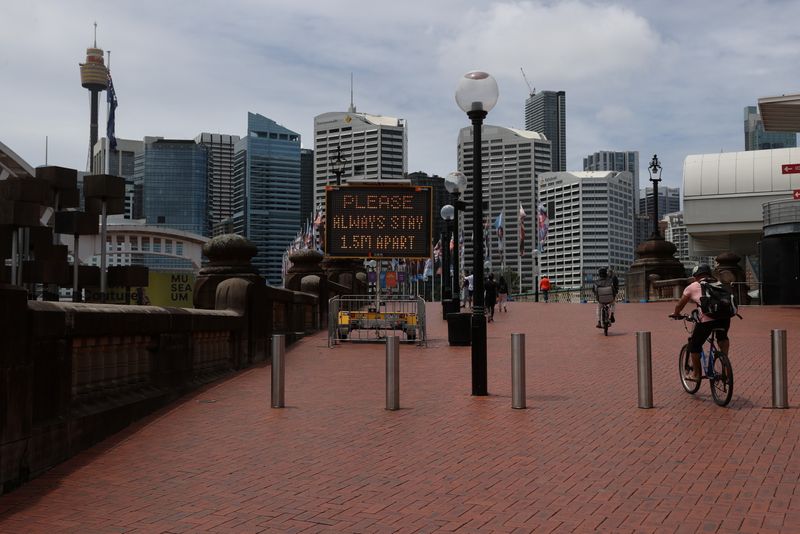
column 544, row 287
column 502, row 294
column 490, row 291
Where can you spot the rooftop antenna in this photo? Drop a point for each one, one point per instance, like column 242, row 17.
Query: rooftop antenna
column 352, row 108
column 532, row 90
column 95, row 34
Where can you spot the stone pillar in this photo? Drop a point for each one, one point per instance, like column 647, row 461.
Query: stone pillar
column 229, row 256
column 654, row 257
column 304, row 263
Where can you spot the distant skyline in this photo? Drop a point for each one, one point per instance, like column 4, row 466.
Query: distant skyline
column 670, row 79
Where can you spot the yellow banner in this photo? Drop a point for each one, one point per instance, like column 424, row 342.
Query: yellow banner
column 175, row 290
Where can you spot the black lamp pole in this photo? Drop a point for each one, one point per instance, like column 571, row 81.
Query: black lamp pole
column 479, row 366
column 338, row 164
column 447, row 287
column 459, row 205
column 655, row 177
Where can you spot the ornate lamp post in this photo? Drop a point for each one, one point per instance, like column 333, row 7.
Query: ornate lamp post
column 476, row 95
column 338, row 164
column 655, row 176
column 448, row 214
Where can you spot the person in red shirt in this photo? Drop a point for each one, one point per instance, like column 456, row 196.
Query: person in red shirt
column 544, row 287
column 703, row 329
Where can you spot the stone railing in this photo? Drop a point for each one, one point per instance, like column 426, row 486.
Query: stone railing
column 668, row 289
column 72, row 374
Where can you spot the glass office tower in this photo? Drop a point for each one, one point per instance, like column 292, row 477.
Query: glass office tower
column 267, row 192
column 174, row 181
column 546, row 113
column 756, row 138
column 172, row 174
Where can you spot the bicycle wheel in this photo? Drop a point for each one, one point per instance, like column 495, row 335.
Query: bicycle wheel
column 722, row 381
column 685, row 368
column 604, row 319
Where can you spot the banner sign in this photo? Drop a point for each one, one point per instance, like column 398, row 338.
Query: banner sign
column 378, row 221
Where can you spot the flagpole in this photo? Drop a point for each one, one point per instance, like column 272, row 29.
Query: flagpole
column 108, row 112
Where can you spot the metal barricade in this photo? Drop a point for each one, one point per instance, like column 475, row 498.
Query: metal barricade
column 362, row 318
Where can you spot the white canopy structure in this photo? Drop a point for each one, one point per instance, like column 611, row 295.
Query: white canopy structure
column 723, row 195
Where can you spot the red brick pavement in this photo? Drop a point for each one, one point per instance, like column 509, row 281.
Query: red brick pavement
column 581, row 458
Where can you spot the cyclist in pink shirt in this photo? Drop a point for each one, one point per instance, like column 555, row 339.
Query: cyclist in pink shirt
column 703, row 329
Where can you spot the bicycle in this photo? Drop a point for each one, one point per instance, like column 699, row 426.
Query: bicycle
column 605, row 317
column 715, row 365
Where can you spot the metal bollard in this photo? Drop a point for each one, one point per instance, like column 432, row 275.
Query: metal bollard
column 780, row 395
column 392, row 373
column 518, row 371
column 644, row 369
column 278, row 369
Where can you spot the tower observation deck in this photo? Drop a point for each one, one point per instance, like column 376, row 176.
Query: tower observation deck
column 94, row 77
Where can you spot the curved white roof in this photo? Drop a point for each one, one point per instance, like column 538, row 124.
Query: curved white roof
column 739, row 173
column 528, row 134
column 13, row 164
column 378, row 120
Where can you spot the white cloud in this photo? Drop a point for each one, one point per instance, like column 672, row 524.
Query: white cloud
column 644, row 75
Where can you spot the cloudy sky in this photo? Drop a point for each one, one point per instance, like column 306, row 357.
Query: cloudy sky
column 670, row 78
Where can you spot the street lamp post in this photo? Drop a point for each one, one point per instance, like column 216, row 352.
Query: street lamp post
column 456, row 183
column 655, row 176
column 476, row 95
column 338, row 164
column 448, row 213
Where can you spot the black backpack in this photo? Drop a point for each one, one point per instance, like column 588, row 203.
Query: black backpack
column 716, row 300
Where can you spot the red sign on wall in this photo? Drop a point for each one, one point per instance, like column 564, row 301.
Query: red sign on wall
column 790, row 168
column 796, row 194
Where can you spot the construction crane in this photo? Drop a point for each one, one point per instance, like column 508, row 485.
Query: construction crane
column 531, row 89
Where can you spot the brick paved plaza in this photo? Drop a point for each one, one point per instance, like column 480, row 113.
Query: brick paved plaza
column 581, row 458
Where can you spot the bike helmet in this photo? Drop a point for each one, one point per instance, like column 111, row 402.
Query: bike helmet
column 602, row 272
column 701, row 269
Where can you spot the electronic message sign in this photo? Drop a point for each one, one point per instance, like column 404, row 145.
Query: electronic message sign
column 392, row 221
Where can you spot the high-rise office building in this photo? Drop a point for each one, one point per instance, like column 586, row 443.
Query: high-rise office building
column 591, row 227
column 220, row 176
column 642, row 228
column 373, row 147
column 545, row 112
column 756, row 138
column 307, row 206
column 172, row 174
column 120, row 162
column 608, row 160
column 267, row 192
column 669, row 200
column 512, row 162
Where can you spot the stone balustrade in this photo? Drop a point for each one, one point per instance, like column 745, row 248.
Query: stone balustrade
column 72, row 374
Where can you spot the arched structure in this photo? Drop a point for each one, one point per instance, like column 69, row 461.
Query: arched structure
column 13, row 165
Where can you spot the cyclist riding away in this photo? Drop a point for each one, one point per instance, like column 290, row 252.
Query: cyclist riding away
column 605, row 292
column 702, row 329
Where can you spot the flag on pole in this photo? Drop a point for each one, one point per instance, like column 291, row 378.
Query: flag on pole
column 111, row 98
column 319, row 223
column 428, row 271
column 521, row 226
column 437, row 250
column 542, row 226
column 487, row 239
column 498, row 225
